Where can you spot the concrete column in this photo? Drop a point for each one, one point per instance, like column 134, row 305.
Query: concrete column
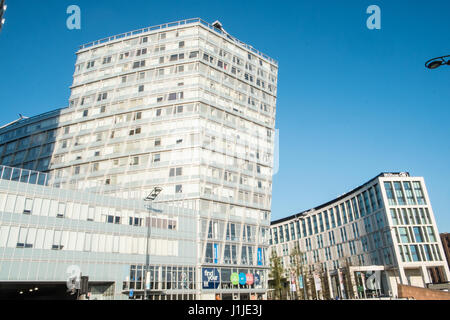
column 330, row 286
column 425, row 275
column 403, row 279
column 353, row 282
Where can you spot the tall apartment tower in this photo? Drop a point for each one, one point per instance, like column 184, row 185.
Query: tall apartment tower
column 183, row 106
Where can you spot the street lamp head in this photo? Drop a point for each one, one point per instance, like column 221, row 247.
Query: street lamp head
column 437, row 62
column 434, row 64
column 155, row 192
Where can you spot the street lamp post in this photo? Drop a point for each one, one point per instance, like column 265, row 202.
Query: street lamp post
column 152, row 196
column 437, row 62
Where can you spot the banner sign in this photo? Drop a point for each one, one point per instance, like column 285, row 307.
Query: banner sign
column 234, row 278
column 317, row 282
column 300, row 282
column 242, row 278
column 257, row 279
column 210, row 278
column 250, row 279
column 260, row 257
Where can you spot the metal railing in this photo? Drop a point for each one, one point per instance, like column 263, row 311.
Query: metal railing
column 176, row 24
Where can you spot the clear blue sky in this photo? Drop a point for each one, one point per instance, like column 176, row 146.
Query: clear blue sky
column 352, row 102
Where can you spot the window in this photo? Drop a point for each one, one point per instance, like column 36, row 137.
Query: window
column 181, row 44
column 414, row 253
column 431, row 234
column 175, row 96
column 179, row 188
column 158, row 112
column 418, row 234
column 124, row 55
column 102, row 96
column 419, row 193
column 139, row 64
column 394, row 217
column 399, row 193
column 141, row 52
column 175, row 172
column 157, row 142
column 141, row 88
column 135, row 161
column 409, row 194
column 106, row 60
column 179, row 109
column 85, row 113
column 193, row 54
column 135, row 131
column 390, row 193
column 90, row 64
column 157, row 158
column 403, row 232
column 102, row 109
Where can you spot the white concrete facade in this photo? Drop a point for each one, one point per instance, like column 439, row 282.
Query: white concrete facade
column 386, row 225
column 183, row 106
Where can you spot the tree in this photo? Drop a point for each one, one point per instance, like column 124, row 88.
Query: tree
column 276, row 273
column 348, row 280
column 325, row 285
column 297, row 268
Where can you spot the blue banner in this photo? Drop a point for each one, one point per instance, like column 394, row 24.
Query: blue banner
column 257, row 279
column 210, row 278
column 300, row 282
column 260, row 257
column 216, row 253
column 242, row 278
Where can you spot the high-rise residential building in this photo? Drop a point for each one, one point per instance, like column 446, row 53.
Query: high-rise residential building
column 365, row 242
column 183, row 106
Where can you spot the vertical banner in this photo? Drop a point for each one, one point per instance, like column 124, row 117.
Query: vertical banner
column 216, row 253
column 317, row 282
column 300, row 282
column 260, row 257
column 257, row 279
column 293, row 286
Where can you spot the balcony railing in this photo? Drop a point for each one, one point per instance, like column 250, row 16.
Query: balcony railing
column 176, row 24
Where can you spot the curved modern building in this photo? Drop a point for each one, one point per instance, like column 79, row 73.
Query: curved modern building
column 183, row 106
column 365, row 242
